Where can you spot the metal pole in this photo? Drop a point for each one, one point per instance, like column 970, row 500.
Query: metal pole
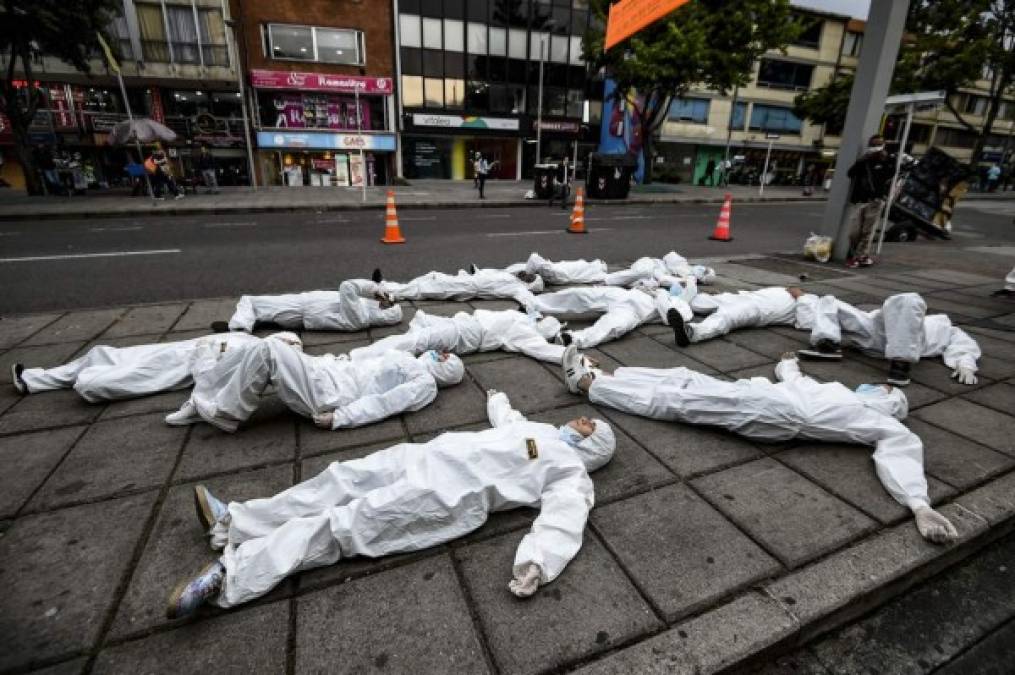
column 729, row 127
column 137, row 143
column 764, row 172
column 234, row 48
column 895, row 178
column 359, row 129
column 539, row 111
column 867, row 102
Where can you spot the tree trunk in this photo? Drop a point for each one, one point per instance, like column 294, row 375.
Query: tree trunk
column 646, row 150
column 24, row 151
column 651, row 119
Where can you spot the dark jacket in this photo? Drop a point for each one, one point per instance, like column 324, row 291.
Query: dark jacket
column 205, row 162
column 872, row 176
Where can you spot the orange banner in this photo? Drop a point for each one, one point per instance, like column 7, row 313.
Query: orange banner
column 627, row 17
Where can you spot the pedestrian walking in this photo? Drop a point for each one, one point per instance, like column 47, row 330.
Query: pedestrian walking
column 710, row 173
column 482, row 170
column 561, row 184
column 209, row 172
column 809, row 178
column 158, row 167
column 871, row 175
column 475, row 170
column 993, row 177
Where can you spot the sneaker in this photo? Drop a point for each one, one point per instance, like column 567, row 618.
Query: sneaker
column 852, row 263
column 17, row 380
column 565, row 338
column 472, row 268
column 824, row 350
column 898, row 373
column 187, row 414
column 1003, row 293
column 210, row 510
column 574, row 369
column 376, row 276
column 681, row 332
column 179, row 196
column 190, row 594
column 866, row 261
column 219, row 327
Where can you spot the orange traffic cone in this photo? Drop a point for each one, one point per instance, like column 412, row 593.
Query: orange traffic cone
column 577, row 225
column 392, row 233
column 722, row 226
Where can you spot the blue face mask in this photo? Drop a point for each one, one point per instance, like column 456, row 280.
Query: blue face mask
column 676, row 290
column 569, row 435
column 434, row 356
column 869, row 389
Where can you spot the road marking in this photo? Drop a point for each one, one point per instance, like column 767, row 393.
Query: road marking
column 112, row 254
column 409, row 218
column 495, row 215
column 537, row 232
column 621, row 218
column 116, row 229
column 231, row 224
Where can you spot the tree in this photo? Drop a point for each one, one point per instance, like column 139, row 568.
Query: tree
column 826, row 105
column 709, row 43
column 64, row 29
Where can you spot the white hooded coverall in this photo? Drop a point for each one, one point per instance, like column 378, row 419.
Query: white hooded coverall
column 356, row 393
column 414, row 496
column 772, row 306
column 671, row 269
column 109, row 373
column 485, row 283
column 900, row 330
column 352, row 307
column 622, row 310
column 482, row 331
column 1009, row 280
column 796, row 407
column 564, row 272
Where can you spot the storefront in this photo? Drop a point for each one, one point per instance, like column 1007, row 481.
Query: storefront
column 312, row 126
column 443, row 146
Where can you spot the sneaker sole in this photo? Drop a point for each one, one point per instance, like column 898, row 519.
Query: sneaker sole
column 898, row 382
column 16, row 380
column 204, row 512
column 679, row 329
column 818, row 356
column 174, row 597
column 568, row 370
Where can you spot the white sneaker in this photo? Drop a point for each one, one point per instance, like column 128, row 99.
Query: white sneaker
column 574, row 368
column 187, row 414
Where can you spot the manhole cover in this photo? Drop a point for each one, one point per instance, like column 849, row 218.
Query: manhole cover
column 785, row 265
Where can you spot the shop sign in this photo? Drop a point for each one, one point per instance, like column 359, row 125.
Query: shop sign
column 325, row 141
column 343, row 84
column 105, row 123
column 464, row 122
column 554, row 125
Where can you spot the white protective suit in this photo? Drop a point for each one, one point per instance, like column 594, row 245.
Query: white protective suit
column 622, row 310
column 414, row 496
column 900, row 330
column 111, row 373
column 772, row 306
column 671, row 269
column 352, row 307
column 485, row 284
column 565, row 272
column 464, row 333
column 356, row 393
column 796, row 407
column 1009, row 280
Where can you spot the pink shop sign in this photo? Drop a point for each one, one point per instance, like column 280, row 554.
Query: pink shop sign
column 344, row 84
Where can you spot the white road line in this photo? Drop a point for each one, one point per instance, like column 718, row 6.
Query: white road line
column 116, row 229
column 244, row 223
column 621, row 218
column 495, row 215
column 537, row 232
column 411, row 218
column 113, row 254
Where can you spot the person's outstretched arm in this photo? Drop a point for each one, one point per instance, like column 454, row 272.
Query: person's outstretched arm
column 499, row 409
column 961, row 355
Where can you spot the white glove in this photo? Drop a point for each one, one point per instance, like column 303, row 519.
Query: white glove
column 526, row 582
column 490, row 393
column 933, row 526
column 324, row 420
column 964, row 375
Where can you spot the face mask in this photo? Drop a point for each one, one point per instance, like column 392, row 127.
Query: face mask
column 434, row 356
column 569, row 435
column 870, row 389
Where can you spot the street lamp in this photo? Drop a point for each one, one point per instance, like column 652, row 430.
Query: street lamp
column 539, row 111
column 235, row 55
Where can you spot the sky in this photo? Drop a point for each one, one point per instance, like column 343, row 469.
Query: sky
column 854, row 8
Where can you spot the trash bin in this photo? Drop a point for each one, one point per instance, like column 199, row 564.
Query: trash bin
column 610, row 176
column 544, row 174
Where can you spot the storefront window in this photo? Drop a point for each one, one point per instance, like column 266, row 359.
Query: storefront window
column 412, row 91
column 426, row 157
column 298, row 110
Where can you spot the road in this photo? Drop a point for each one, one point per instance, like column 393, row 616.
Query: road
column 51, row 265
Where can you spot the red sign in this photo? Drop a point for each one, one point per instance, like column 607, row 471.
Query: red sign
column 345, row 84
column 627, row 17
column 158, row 110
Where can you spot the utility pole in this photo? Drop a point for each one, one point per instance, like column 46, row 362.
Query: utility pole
column 885, row 24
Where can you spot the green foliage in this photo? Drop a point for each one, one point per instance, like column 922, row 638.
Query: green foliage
column 826, row 105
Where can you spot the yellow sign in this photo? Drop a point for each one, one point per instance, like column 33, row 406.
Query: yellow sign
column 113, row 65
column 627, row 17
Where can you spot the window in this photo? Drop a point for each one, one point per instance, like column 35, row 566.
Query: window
column 810, row 36
column 433, row 92
column 432, row 33
column 412, row 91
column 409, row 31
column 689, row 110
column 576, row 51
column 154, row 45
column 213, row 37
column 477, row 96
column 498, row 41
column 433, row 63
column 454, row 35
column 737, row 115
column 774, row 118
column 412, row 61
column 558, row 48
column 516, row 43
column 537, row 45
column 173, row 34
column 851, row 43
column 1006, row 111
column 955, row 138
column 454, row 93
column 975, row 105
column 784, row 75
column 182, row 34
column 324, row 45
column 477, row 38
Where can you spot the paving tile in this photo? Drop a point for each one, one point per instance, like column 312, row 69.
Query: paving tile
column 493, row 305
column 165, row 403
column 982, row 300
column 210, row 451
column 791, row 516
column 320, row 337
column 179, row 336
column 590, row 607
column 36, row 357
column 410, row 619
column 60, row 571
column 119, row 342
column 802, row 661
column 632, row 470
column 48, row 409
column 705, row 644
column 249, row 641
column 145, row 320
column 178, row 546
column 1000, row 397
column 335, row 348
column 315, row 441
column 956, row 460
column 725, row 356
column 75, row 327
column 72, row 667
column 482, row 357
column 983, row 425
column 696, row 558
column 454, row 406
column 648, row 353
column 994, row 501
column 113, row 457
column 377, row 332
column 901, row 284
column 767, row 342
column 933, row 373
column 951, row 277
column 957, row 311
column 447, row 308
column 687, row 450
column 994, row 330
column 27, row 460
column 847, row 471
column 8, row 397
column 201, row 313
column 528, row 385
column 923, row 284
column 849, row 372
column 14, row 329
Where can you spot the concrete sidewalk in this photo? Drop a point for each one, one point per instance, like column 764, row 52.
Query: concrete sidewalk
column 444, row 194
column 704, row 551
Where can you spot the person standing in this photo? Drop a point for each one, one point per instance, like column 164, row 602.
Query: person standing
column 482, row 170
column 710, row 172
column 993, row 177
column 162, row 175
column 209, row 172
column 871, row 175
column 475, row 170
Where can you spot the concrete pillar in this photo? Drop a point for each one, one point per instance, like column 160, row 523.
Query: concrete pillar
column 881, row 40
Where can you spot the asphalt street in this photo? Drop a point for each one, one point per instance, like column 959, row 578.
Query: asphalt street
column 52, row 265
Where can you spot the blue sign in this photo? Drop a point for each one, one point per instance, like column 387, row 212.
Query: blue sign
column 325, row 140
column 621, row 130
